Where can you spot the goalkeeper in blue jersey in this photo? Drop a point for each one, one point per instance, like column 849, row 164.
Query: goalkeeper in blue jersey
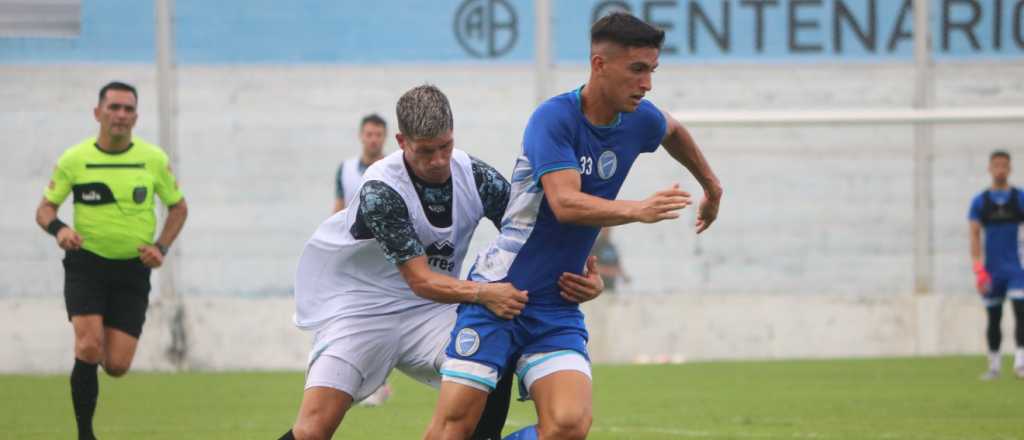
column 998, row 211
column 577, row 149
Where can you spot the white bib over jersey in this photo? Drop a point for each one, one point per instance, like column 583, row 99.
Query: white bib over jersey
column 340, row 276
column 351, row 178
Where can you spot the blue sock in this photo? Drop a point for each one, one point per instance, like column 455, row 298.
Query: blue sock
column 527, row 433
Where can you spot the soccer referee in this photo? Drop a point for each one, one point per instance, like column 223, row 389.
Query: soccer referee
column 110, row 251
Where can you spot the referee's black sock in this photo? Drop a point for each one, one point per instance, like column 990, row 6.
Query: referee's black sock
column 287, row 436
column 85, row 388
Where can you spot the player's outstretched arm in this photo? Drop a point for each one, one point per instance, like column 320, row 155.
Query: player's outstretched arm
column 571, row 205
column 502, row 299
column 681, row 146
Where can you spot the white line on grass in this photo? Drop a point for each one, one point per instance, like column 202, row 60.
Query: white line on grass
column 685, row 433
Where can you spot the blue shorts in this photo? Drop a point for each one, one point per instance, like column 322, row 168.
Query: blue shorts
column 481, row 337
column 1004, row 285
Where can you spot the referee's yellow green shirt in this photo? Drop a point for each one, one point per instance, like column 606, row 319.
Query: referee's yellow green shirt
column 113, row 194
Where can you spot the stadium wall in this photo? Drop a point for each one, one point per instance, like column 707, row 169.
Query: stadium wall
column 807, row 210
column 237, row 334
column 418, row 31
column 815, row 229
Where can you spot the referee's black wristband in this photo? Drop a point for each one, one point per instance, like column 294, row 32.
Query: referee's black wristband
column 163, row 249
column 55, row 226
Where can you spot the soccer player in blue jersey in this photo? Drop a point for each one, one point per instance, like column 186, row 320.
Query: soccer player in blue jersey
column 577, row 149
column 999, row 211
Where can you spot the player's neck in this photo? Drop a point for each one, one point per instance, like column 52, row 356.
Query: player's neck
column 596, row 109
column 368, row 159
column 1003, row 186
column 111, row 144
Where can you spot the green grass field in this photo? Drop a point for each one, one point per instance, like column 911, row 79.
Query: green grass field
column 922, row 398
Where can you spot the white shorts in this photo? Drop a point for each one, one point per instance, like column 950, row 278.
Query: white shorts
column 529, row 368
column 355, row 354
column 534, row 367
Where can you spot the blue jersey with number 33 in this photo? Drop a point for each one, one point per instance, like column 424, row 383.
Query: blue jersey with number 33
column 533, row 248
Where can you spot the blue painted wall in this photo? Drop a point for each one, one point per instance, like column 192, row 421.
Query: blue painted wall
column 413, row 31
column 809, row 30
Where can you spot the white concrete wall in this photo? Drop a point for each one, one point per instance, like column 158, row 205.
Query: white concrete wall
column 807, row 211
column 703, row 327
column 240, row 334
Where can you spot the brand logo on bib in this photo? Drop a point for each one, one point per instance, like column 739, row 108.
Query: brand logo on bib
column 467, row 342
column 439, row 255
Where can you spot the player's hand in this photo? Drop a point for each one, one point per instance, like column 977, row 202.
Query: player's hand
column 68, row 239
column 503, row 299
column 151, row 256
column 708, row 211
column 663, row 205
column 582, row 288
column 983, row 282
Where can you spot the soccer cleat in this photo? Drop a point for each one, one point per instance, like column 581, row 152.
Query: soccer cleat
column 990, row 375
column 378, row 397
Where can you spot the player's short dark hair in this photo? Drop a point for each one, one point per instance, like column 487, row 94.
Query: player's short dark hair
column 117, row 85
column 999, row 153
column 627, row 30
column 424, row 113
column 374, row 119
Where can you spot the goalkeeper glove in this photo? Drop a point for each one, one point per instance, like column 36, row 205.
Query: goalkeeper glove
column 982, row 279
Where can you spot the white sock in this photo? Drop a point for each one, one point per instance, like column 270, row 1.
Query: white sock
column 1018, row 358
column 994, row 361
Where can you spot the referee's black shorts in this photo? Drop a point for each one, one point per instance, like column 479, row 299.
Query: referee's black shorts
column 116, row 289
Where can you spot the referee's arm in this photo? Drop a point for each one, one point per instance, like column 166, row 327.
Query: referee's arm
column 46, row 214
column 166, row 186
column 153, row 255
column 67, row 238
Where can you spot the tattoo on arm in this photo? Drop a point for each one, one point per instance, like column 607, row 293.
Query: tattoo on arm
column 383, row 213
column 494, row 190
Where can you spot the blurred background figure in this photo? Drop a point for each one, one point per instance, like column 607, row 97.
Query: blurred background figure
column 609, row 264
column 999, row 211
column 373, row 131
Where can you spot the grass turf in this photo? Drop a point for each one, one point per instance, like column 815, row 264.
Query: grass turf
column 919, row 398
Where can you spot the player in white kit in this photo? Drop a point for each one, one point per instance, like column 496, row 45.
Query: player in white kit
column 373, row 130
column 378, row 282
